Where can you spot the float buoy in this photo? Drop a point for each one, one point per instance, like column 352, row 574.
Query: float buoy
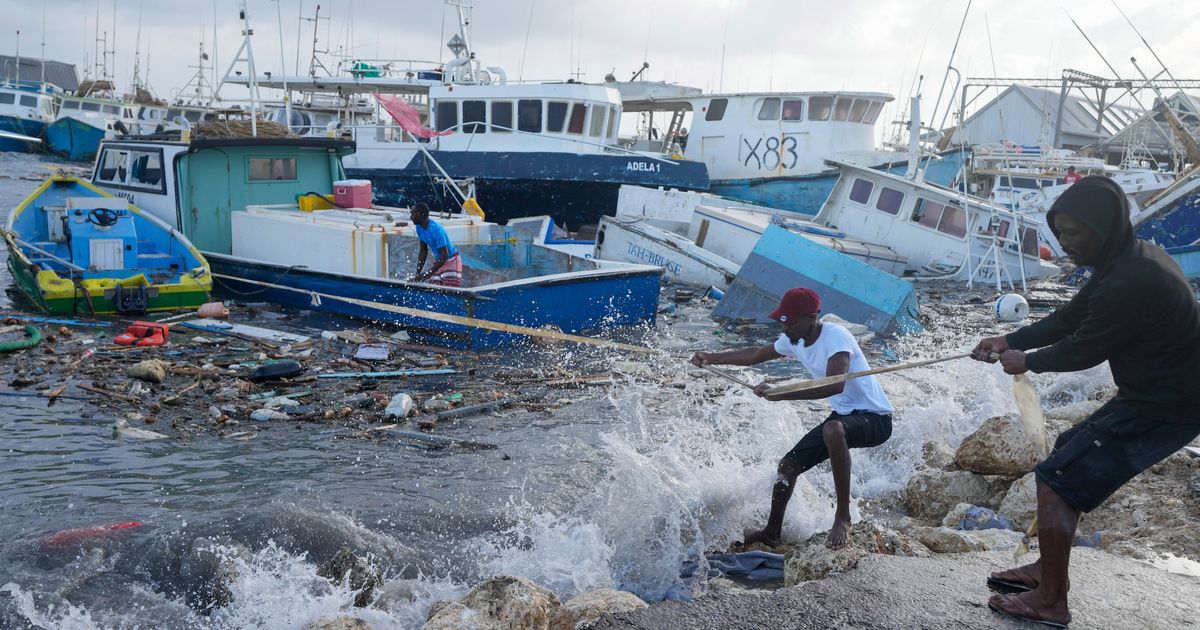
column 1011, row 308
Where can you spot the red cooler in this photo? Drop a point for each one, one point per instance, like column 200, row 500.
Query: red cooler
column 352, row 193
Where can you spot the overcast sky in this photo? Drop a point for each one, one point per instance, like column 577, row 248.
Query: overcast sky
column 717, row 45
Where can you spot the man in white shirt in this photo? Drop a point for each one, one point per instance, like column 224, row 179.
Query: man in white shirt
column 861, row 418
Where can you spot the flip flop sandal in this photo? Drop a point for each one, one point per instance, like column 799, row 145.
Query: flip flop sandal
column 1019, row 610
column 1008, row 586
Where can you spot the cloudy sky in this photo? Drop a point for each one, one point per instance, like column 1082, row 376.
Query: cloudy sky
column 718, row 45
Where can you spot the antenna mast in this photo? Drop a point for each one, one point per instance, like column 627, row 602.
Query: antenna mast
column 248, row 51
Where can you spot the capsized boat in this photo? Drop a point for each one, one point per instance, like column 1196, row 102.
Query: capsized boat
column 74, row 248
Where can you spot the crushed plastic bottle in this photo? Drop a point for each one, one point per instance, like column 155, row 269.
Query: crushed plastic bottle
column 400, row 406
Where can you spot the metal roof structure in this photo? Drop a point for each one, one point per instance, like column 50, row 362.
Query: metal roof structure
column 1034, row 115
column 57, row 73
column 1151, row 131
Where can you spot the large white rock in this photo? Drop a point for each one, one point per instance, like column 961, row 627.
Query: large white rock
column 812, row 560
column 998, row 447
column 583, row 610
column 937, row 454
column 1020, row 504
column 946, row 540
column 931, row 493
column 502, row 602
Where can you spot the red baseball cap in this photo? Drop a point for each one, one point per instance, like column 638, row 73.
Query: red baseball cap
column 796, row 303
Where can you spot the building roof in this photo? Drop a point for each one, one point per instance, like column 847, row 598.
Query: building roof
column 1080, row 116
column 57, row 73
column 1152, row 129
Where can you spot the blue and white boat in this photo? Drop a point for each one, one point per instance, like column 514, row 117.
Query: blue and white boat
column 1172, row 219
column 236, row 199
column 26, row 108
column 769, row 148
column 84, row 121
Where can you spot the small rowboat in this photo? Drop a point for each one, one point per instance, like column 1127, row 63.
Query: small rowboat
column 74, row 248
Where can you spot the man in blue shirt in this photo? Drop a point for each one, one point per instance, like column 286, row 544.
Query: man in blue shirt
column 447, row 265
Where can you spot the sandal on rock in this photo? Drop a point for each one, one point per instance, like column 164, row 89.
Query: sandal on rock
column 1013, row 586
column 1017, row 609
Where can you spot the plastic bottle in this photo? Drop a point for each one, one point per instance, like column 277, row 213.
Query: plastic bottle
column 400, row 406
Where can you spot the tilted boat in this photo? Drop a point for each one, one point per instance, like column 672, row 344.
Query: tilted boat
column 74, row 248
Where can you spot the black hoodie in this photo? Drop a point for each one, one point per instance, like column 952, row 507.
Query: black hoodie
column 1137, row 312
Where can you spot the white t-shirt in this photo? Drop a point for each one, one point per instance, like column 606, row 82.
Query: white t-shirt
column 863, row 393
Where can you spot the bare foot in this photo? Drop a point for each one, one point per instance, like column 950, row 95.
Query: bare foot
column 839, row 534
column 771, row 539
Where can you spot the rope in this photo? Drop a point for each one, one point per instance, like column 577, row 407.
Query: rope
column 281, row 276
column 33, row 339
column 316, row 296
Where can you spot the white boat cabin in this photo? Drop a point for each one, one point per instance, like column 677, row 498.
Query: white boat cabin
column 99, row 112
column 942, row 233
column 516, row 117
column 29, row 101
column 772, row 134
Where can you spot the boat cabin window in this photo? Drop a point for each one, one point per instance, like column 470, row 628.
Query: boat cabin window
column 273, row 169
column 7, row 99
column 172, row 114
column 612, row 122
column 146, row 170
column 447, row 115
column 716, row 109
column 927, row 212
column 860, row 191
column 1029, row 242
column 858, row 109
column 769, row 110
column 112, row 109
column 70, row 105
column 474, row 114
column 502, row 116
column 873, row 112
column 819, row 107
column 597, row 126
column 194, row 116
column 529, row 115
column 890, row 200
column 793, row 110
column 841, row 110
column 90, row 107
column 113, row 166
column 556, row 116
column 954, row 221
column 29, row 101
column 578, row 114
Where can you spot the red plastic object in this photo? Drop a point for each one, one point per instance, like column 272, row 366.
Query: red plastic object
column 144, row 334
column 69, row 536
column 1044, row 252
column 352, row 193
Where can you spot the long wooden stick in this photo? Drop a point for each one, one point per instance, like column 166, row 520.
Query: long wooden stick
column 726, row 375
column 817, row 383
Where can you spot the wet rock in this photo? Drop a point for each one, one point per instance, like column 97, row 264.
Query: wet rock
column 501, row 602
column 812, row 560
column 1073, row 413
column 343, row 622
column 937, row 454
column 998, row 447
column 947, row 540
column 590, row 606
column 348, row 568
column 151, row 371
column 930, row 494
column 213, row 567
column 437, row 404
column 1020, row 504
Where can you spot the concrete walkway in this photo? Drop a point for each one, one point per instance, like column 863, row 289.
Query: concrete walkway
column 942, row 591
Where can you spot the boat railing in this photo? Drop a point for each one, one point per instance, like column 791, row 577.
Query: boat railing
column 558, row 139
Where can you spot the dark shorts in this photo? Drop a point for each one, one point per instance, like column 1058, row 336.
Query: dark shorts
column 1096, row 457
column 863, row 430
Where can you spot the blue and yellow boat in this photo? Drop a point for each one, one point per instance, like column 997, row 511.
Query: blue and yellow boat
column 74, row 248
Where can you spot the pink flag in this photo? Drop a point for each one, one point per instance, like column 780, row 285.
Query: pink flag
column 407, row 116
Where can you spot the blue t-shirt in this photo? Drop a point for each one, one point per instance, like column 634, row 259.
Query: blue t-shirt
column 436, row 238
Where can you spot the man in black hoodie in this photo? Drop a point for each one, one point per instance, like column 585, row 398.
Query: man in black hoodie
column 1138, row 313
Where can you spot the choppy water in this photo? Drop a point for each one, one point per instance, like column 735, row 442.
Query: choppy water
column 616, row 490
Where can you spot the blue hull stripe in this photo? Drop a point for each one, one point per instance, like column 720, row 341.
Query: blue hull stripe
column 23, row 126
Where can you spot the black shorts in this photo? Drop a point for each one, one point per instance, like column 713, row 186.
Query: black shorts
column 1093, row 459
column 864, row 429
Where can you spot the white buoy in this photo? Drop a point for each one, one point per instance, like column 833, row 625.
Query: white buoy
column 1011, row 308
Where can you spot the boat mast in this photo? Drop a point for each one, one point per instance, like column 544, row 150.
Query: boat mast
column 248, row 50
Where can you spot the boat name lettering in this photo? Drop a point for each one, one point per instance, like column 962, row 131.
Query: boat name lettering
column 653, row 258
column 649, row 167
column 128, row 196
column 776, row 153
